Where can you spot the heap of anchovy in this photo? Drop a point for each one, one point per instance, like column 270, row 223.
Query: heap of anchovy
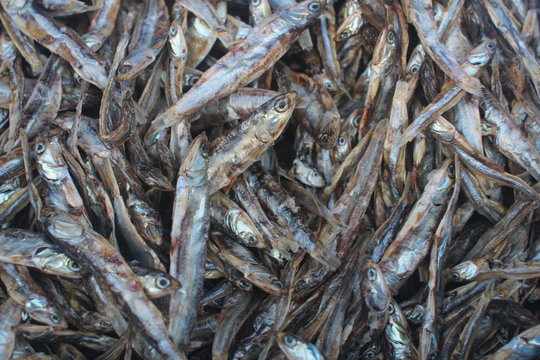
column 269, row 179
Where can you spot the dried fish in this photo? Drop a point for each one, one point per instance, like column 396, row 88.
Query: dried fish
column 264, row 179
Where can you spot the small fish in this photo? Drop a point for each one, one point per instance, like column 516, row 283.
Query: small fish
column 296, row 348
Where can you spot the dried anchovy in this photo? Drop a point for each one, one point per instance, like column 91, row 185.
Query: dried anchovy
column 269, row 179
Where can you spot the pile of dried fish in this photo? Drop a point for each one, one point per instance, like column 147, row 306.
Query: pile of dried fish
column 269, row 179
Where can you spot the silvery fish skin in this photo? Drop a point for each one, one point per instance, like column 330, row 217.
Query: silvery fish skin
column 62, row 192
column 235, row 151
column 409, row 246
column 178, row 52
column 242, row 259
column 102, row 24
column 229, row 322
column 10, row 315
column 307, row 174
column 189, row 234
column 352, row 20
column 196, row 179
column 259, row 49
column 297, row 349
column 45, row 30
column 450, row 94
column 24, row 44
column 27, row 293
column 22, row 247
column 523, row 346
column 276, row 199
column 93, row 251
column 448, row 134
column 426, row 27
column 149, row 36
column 481, row 269
column 316, row 108
column 156, row 283
column 235, row 220
column 398, row 334
column 206, row 12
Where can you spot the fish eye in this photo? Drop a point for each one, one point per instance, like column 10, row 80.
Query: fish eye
column 244, row 284
column 173, row 30
column 71, row 353
column 289, row 340
column 490, row 46
column 314, row 7
column 345, row 35
column 204, row 150
column 455, row 276
column 193, row 80
column 414, row 69
column 104, row 324
column 277, row 284
column 255, row 3
column 163, row 282
column 356, row 121
column 73, row 265
column 54, row 318
column 342, row 141
column 250, row 239
column 42, row 249
column 391, row 37
column 323, row 138
column 437, row 202
column 314, row 173
column 370, row 354
column 391, row 309
column 329, row 85
column 371, row 274
column 124, row 69
column 40, row 147
column 282, row 105
column 452, row 171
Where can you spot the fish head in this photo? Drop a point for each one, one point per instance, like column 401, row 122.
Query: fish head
column 50, row 163
column 304, row 13
column 307, row 174
column 238, row 222
column 62, row 225
column 415, row 63
column 156, row 283
column 297, row 348
column 195, row 163
column 376, row 292
column 329, row 131
column 482, row 54
column 343, row 147
column 444, row 130
column 273, row 116
column 463, row 272
column 135, row 62
column 55, row 261
column 177, row 42
column 40, row 310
